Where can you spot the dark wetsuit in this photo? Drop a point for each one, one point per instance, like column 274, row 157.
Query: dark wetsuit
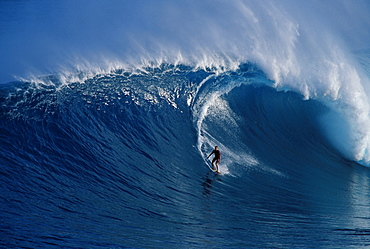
column 217, row 156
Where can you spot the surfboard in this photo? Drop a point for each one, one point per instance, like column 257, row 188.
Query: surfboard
column 217, row 172
column 209, row 164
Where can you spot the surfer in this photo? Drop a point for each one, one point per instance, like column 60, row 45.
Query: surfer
column 216, row 159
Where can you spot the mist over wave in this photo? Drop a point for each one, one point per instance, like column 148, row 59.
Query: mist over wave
column 282, row 37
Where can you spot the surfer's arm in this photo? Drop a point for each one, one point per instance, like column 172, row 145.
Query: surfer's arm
column 210, row 155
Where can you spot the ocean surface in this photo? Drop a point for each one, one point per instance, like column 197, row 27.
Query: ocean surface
column 108, row 110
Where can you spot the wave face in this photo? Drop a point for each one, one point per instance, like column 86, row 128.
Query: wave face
column 105, row 132
column 118, row 160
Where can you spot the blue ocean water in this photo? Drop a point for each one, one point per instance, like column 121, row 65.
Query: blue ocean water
column 109, row 109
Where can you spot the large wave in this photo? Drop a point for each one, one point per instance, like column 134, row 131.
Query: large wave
column 302, row 47
column 160, row 110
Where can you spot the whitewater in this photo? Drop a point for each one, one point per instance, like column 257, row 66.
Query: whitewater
column 108, row 111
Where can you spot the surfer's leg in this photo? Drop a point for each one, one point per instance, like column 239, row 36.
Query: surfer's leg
column 213, row 163
column 217, row 161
